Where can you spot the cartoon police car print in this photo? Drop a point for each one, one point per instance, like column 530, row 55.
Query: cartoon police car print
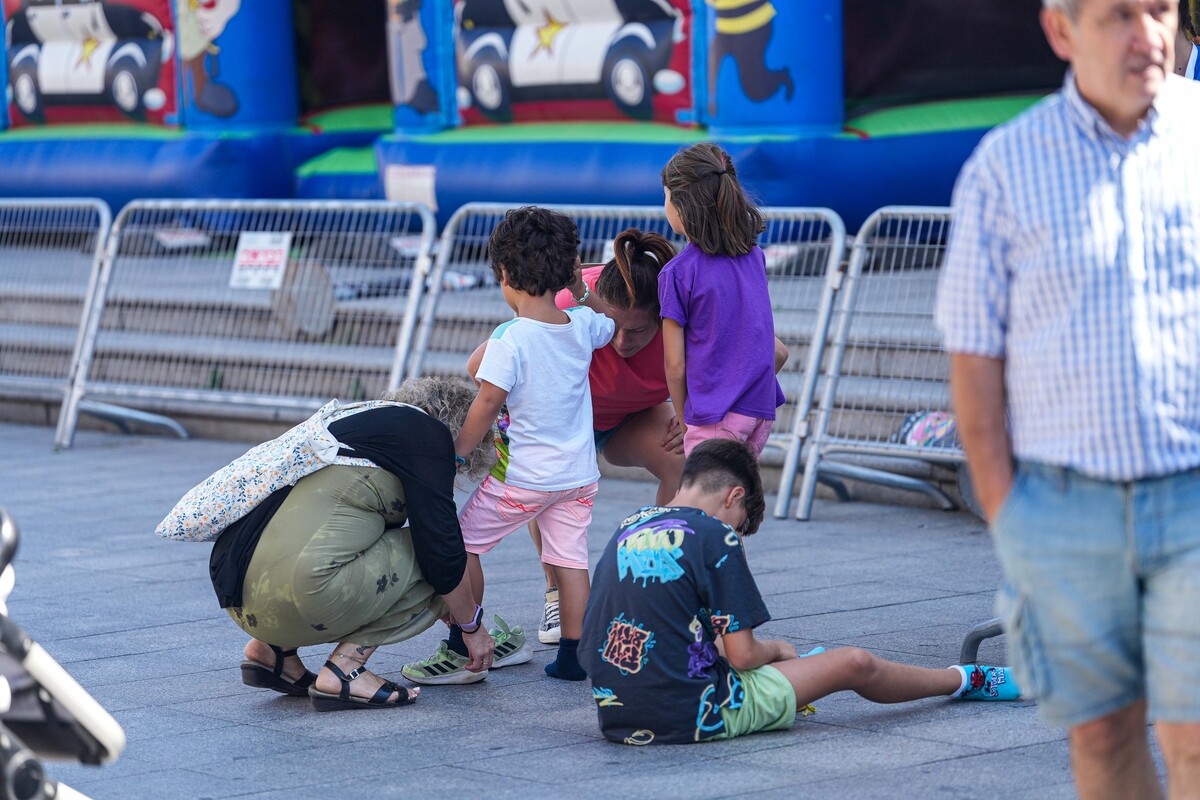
column 85, row 52
column 516, row 50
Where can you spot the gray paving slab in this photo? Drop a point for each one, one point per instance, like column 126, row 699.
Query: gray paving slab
column 133, row 618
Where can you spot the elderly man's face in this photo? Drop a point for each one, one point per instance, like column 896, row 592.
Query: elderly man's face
column 1121, row 52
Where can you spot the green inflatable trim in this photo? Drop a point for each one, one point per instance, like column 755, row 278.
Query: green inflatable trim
column 98, row 131
column 341, row 161
column 949, row 115
column 375, row 117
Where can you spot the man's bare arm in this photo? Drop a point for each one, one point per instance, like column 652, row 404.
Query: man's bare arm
column 977, row 391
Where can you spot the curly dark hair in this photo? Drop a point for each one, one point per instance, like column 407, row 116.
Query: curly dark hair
column 717, row 216
column 718, row 464
column 1187, row 18
column 630, row 279
column 537, row 247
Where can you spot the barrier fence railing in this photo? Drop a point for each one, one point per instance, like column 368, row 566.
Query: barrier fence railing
column 270, row 307
column 803, row 248
column 50, row 254
column 885, row 361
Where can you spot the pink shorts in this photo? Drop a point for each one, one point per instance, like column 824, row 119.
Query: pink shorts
column 495, row 509
column 733, row 425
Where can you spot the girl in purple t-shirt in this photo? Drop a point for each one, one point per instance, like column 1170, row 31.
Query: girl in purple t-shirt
column 718, row 333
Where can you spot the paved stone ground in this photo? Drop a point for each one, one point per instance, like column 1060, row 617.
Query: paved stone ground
column 134, row 620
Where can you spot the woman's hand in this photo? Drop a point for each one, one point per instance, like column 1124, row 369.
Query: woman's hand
column 673, row 441
column 480, row 645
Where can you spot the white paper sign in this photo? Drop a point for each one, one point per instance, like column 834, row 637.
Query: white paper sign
column 413, row 183
column 261, row 260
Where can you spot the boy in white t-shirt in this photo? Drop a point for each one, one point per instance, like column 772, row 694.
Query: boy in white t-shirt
column 535, row 366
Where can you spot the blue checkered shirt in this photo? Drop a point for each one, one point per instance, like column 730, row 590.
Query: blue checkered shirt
column 1074, row 255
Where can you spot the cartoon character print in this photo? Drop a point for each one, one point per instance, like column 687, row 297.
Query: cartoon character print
column 743, row 31
column 640, row 737
column 985, row 682
column 722, row 623
column 500, row 432
column 627, row 645
column 708, row 714
column 410, row 82
column 200, row 23
column 701, row 654
column 652, row 552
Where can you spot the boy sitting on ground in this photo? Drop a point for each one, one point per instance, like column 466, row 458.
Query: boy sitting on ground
column 668, row 638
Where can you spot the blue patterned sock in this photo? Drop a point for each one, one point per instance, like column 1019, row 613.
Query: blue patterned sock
column 983, row 682
column 566, row 665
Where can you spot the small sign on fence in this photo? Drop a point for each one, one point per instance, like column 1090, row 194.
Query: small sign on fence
column 261, row 260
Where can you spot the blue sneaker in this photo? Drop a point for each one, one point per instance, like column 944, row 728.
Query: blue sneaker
column 988, row 683
column 812, row 652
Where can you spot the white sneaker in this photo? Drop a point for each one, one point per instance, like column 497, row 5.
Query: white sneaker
column 550, row 631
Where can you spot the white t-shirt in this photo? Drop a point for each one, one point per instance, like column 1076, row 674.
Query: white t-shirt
column 544, row 369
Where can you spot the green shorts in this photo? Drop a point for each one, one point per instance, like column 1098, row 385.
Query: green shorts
column 768, row 704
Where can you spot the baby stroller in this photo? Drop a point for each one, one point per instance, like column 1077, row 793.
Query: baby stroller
column 44, row 713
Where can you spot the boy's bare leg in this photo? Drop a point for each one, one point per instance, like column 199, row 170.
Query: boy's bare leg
column 874, row 678
column 573, row 589
column 535, row 533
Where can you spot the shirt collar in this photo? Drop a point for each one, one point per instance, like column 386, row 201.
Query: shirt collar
column 1096, row 128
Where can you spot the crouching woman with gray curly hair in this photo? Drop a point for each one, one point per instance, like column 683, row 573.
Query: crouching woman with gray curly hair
column 360, row 556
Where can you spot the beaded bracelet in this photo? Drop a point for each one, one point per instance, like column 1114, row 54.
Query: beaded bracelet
column 587, row 292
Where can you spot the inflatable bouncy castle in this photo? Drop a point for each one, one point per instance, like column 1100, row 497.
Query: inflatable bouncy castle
column 850, row 104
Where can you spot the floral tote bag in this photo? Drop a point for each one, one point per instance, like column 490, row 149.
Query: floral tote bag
column 235, row 490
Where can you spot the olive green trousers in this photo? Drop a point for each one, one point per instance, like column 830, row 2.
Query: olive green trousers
column 335, row 564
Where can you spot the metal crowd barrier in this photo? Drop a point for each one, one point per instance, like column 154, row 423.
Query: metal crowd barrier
column 269, row 307
column 50, row 253
column 885, row 360
column 803, row 248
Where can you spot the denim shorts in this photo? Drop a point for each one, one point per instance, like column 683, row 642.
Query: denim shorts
column 1102, row 592
column 601, row 437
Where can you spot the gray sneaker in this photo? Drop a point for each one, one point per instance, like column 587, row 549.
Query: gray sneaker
column 550, row 631
column 510, row 644
column 443, row 667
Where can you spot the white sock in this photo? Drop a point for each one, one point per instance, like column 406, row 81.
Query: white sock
column 963, row 686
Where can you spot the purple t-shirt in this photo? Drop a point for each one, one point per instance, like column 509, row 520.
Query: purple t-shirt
column 725, row 310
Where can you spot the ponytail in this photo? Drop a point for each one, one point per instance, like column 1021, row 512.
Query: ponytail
column 716, row 214
column 630, row 279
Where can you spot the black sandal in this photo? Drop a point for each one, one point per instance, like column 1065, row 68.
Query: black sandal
column 343, row 700
column 263, row 677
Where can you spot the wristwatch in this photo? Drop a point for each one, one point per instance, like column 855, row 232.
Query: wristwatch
column 474, row 624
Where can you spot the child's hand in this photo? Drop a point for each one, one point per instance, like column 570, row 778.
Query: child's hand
column 785, row 651
column 672, row 442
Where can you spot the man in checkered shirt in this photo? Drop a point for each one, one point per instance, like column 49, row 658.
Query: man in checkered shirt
column 1070, row 295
